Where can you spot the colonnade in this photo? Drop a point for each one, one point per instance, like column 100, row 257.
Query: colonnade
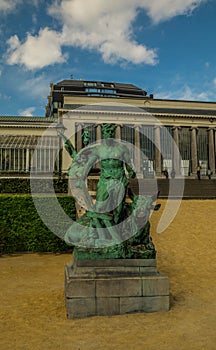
column 25, row 154
column 24, row 160
column 176, row 161
column 14, row 159
column 18, row 158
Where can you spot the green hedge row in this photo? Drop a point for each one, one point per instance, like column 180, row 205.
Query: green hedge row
column 22, row 229
column 40, row 185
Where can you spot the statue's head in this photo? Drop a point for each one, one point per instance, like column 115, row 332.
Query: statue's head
column 108, row 130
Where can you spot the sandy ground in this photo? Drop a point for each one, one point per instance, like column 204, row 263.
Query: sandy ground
column 32, row 296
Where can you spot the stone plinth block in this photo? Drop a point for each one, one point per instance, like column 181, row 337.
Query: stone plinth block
column 114, row 287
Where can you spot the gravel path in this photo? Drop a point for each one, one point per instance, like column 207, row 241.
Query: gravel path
column 33, row 316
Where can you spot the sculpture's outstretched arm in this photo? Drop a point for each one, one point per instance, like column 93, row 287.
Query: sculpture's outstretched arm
column 70, row 148
column 68, row 145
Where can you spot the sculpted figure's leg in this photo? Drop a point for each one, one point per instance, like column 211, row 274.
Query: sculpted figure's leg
column 102, row 197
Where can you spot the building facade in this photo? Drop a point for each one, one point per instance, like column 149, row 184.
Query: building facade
column 161, row 134
column 28, row 144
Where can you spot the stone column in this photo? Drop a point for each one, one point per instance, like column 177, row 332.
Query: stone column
column 118, row 132
column 79, row 137
column 98, row 132
column 9, row 160
column 194, row 159
column 176, row 155
column 98, row 140
column 157, row 142
column 211, row 150
column 19, row 168
column 27, row 160
column 137, row 160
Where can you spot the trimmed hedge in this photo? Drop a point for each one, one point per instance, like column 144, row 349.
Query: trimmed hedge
column 22, row 229
column 42, row 185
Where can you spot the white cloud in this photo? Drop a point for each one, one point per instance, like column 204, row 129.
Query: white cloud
column 28, row 112
column 8, row 5
column 214, row 81
column 36, row 87
column 34, row 18
column 37, row 51
column 105, row 26
column 166, row 9
column 186, row 93
column 4, row 97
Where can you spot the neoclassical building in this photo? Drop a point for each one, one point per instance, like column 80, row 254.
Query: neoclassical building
column 161, row 134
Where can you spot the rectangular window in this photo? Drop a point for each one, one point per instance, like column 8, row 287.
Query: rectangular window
column 90, row 84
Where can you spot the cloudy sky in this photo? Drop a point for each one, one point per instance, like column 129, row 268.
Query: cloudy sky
column 166, row 47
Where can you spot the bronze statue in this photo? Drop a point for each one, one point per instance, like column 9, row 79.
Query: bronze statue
column 111, row 227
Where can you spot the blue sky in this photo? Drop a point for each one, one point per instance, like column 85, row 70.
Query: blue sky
column 166, row 47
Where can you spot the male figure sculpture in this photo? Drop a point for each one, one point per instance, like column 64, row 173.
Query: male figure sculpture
column 110, row 221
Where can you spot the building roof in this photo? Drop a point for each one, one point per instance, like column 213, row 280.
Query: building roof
column 102, row 84
column 96, row 88
column 29, row 141
column 23, row 119
column 87, row 88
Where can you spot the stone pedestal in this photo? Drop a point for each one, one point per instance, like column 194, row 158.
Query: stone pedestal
column 107, row 287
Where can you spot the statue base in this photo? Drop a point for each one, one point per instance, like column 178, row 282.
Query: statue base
column 106, row 287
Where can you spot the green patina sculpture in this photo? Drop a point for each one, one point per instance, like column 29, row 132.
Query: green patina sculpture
column 85, row 137
column 111, row 227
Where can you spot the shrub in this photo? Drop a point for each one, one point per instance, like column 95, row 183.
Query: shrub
column 22, row 229
column 22, row 185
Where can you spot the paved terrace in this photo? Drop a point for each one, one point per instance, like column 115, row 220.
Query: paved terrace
column 193, row 188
